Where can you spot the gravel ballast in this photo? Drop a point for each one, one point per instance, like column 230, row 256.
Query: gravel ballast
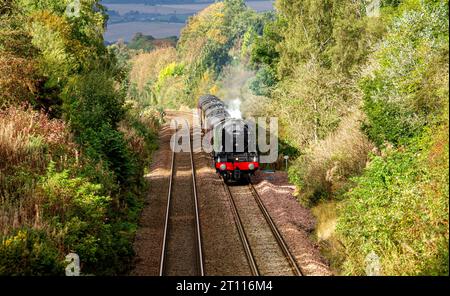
column 294, row 222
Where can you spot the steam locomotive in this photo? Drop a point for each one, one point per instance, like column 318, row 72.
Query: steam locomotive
column 234, row 141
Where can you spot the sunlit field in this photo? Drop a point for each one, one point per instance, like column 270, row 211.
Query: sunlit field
column 126, row 31
column 180, row 8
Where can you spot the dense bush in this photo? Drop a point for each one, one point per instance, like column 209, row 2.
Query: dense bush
column 264, row 50
column 324, row 172
column 399, row 210
column 139, row 129
column 18, row 77
column 29, row 252
column 73, row 204
column 409, row 81
column 263, row 82
column 399, row 206
column 73, row 183
column 312, row 103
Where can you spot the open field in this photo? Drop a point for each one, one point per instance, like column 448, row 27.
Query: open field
column 126, row 31
column 124, row 8
column 180, row 8
column 256, row 5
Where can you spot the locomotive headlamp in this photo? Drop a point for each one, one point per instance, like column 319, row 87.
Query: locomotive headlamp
column 251, row 166
column 223, row 166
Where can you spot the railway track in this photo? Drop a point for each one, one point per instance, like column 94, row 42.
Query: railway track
column 181, row 252
column 266, row 251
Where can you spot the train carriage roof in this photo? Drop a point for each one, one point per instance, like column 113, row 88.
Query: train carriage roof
column 207, row 99
column 217, row 112
column 212, row 104
column 217, row 117
column 211, row 109
column 231, row 122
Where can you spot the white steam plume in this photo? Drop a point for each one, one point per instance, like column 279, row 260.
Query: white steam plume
column 235, row 92
column 234, row 108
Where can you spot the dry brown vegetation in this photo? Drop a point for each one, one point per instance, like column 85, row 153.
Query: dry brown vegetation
column 27, row 136
column 146, row 66
column 17, row 79
column 328, row 165
column 28, row 141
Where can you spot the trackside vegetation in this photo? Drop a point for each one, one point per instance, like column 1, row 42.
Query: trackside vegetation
column 72, row 149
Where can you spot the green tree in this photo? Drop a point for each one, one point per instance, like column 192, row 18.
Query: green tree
column 408, row 87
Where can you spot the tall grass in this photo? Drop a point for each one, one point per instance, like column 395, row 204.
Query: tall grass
column 28, row 141
column 324, row 170
column 146, row 66
column 28, row 137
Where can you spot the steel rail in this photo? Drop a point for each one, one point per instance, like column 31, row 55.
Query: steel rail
column 275, row 231
column 166, row 221
column 242, row 235
column 197, row 216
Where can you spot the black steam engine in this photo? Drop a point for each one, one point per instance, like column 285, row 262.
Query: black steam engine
column 234, row 141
